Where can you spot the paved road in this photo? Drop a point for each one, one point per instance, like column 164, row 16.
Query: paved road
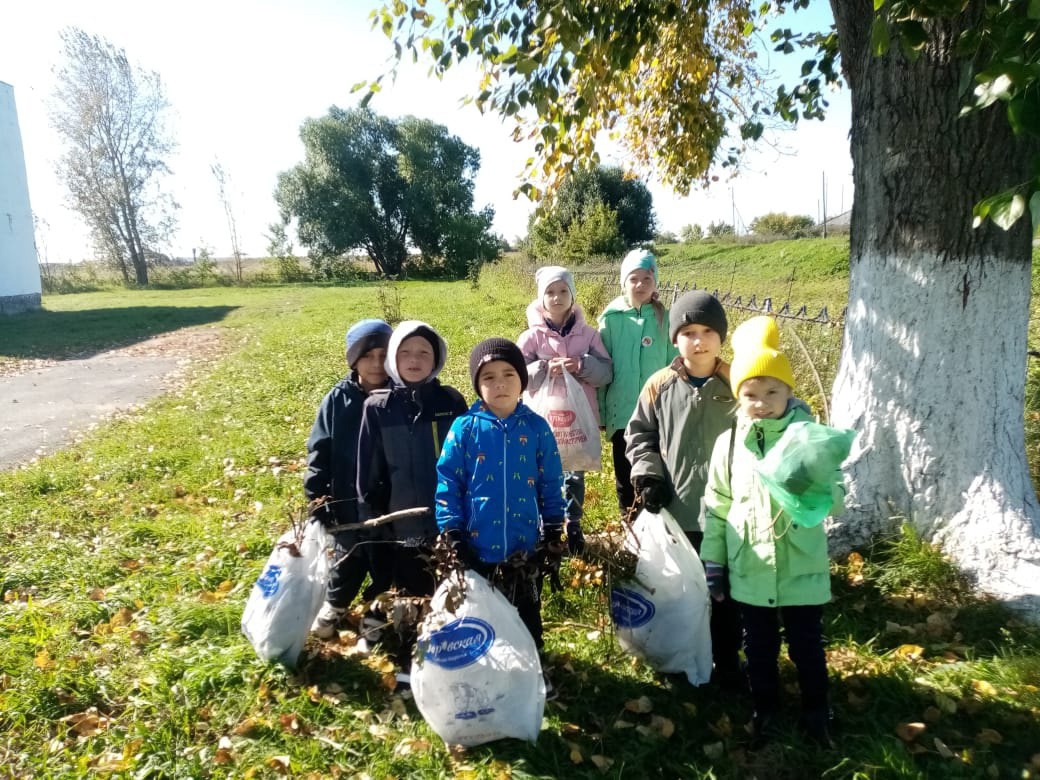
column 42, row 409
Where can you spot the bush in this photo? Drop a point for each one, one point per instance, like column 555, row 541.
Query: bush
column 779, row 224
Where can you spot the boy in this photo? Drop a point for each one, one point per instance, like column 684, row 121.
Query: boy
column 500, row 481
column 777, row 570
column 402, row 428
column 332, row 466
column 682, row 409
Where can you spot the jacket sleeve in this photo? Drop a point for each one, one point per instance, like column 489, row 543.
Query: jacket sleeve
column 718, row 499
column 317, row 481
column 373, row 477
column 837, row 495
column 601, row 391
column 643, row 437
column 537, row 368
column 452, row 481
column 550, row 478
column 597, row 369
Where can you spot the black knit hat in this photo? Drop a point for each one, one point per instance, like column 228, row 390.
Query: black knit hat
column 697, row 308
column 496, row 349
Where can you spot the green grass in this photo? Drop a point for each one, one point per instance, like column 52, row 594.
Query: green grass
column 126, row 561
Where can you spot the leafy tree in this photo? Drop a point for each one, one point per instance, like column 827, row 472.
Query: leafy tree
column 940, row 417
column 780, row 224
column 371, row 183
column 592, row 233
column 666, row 237
column 690, row 233
column 109, row 115
column 720, row 229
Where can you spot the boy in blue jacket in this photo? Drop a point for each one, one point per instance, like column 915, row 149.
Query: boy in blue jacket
column 500, row 480
column 332, row 466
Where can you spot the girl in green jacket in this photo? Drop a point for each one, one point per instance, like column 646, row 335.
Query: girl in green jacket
column 634, row 327
column 774, row 569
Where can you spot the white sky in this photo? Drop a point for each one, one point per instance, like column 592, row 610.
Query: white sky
column 242, row 75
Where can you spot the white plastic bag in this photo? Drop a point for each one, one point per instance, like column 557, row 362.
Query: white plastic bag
column 478, row 677
column 663, row 616
column 287, row 596
column 564, row 405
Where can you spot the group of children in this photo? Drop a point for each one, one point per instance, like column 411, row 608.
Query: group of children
column 686, row 429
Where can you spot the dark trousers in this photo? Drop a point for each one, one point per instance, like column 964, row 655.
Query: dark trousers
column 411, row 577
column 626, row 494
column 726, row 628
column 803, row 630
column 574, row 494
column 351, row 563
column 523, row 590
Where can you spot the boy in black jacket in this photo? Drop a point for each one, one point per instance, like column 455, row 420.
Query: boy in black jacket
column 332, row 466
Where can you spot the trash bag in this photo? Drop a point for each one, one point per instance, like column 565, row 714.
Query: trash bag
column 564, row 405
column 663, row 615
column 802, row 468
column 288, row 594
column 477, row 676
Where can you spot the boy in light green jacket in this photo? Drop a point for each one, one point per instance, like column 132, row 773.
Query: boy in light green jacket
column 754, row 553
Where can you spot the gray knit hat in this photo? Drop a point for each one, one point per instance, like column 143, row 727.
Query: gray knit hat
column 697, row 308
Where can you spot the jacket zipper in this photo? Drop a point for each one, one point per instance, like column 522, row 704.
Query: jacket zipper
column 505, row 471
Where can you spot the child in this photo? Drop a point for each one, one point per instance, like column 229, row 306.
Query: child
column 777, row 570
column 636, row 338
column 402, row 428
column 500, row 482
column 332, row 466
column 682, row 409
column 558, row 339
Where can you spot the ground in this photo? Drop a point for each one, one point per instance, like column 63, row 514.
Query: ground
column 47, row 403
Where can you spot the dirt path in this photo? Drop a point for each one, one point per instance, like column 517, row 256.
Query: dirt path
column 45, row 403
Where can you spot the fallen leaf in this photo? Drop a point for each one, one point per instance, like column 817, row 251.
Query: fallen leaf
column 690, row 707
column 245, row 728
column 989, row 737
column 223, row 756
column 278, row 763
column 946, row 703
column 575, row 753
column 941, row 749
column 723, row 727
column 602, row 762
column 908, row 732
column 410, row 745
column 662, row 726
column 910, row 652
column 43, row 660
column 983, row 688
column 97, row 594
column 714, row 750
column 623, row 724
column 931, row 715
column 1035, row 761
column 641, row 705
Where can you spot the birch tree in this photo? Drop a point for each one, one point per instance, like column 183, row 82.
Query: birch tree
column 109, row 115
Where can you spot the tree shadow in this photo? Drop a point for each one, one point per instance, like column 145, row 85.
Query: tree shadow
column 64, row 335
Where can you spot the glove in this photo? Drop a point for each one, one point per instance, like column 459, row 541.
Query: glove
column 718, row 581
column 550, row 553
column 463, row 552
column 654, row 493
column 575, row 538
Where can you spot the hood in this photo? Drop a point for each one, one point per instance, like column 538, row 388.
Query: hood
column 536, row 315
column 403, row 331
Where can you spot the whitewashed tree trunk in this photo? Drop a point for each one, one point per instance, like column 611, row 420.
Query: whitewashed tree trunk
column 933, row 365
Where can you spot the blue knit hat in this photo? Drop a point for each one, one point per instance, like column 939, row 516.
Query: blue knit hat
column 638, row 259
column 364, row 336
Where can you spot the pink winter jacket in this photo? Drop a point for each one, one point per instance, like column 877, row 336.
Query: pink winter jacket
column 539, row 343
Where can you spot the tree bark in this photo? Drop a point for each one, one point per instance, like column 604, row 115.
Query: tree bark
column 933, row 365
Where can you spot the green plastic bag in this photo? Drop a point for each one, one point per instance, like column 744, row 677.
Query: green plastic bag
column 802, row 467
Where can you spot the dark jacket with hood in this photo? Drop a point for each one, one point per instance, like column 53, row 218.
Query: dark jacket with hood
column 403, row 427
column 332, row 451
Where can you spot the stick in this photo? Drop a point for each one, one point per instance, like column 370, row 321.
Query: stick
column 373, row 522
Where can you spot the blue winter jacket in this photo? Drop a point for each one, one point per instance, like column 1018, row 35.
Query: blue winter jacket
column 497, row 478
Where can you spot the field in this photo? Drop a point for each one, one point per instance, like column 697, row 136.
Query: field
column 126, row 561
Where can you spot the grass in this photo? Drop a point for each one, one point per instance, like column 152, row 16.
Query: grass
column 127, row 558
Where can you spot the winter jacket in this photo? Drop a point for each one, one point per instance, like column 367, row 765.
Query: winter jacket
column 540, row 343
column 772, row 563
column 673, row 431
column 402, row 429
column 497, row 479
column 332, row 451
column 639, row 347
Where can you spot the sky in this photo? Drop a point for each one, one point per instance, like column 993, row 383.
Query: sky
column 242, row 75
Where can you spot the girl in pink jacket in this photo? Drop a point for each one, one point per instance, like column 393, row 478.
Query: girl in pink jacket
column 559, row 339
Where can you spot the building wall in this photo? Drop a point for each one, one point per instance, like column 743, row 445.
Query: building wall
column 19, row 268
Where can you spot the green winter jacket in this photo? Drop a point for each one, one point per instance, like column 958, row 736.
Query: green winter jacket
column 638, row 346
column 771, row 563
column 673, row 431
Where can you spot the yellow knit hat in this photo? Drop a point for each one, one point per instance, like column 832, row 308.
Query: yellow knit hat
column 756, row 352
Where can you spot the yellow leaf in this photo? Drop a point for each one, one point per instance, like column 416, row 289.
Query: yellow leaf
column 123, row 617
column 575, row 753
column 983, row 688
column 908, row 732
column 502, row 770
column 602, row 762
column 989, row 737
column 43, row 660
column 662, row 726
column 642, row 705
column 910, row 652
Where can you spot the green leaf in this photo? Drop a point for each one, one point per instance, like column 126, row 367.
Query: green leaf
column 989, row 92
column 879, row 40
column 879, row 4
column 1008, row 211
column 1024, row 113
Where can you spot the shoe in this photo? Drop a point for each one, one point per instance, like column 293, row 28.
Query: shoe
column 763, row 728
column 550, row 690
column 324, row 626
column 730, row 679
column 404, row 683
column 817, row 727
column 371, row 629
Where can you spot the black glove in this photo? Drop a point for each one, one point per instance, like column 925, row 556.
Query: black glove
column 718, row 580
column 654, row 493
column 575, row 538
column 550, row 552
column 456, row 538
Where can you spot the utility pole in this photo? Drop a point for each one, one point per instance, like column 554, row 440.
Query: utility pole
column 824, row 182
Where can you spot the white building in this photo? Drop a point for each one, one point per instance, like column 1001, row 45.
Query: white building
column 19, row 268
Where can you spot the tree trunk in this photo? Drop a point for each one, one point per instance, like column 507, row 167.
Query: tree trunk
column 933, row 365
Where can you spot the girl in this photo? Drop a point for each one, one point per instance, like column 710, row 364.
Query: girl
column 634, row 328
column 559, row 339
